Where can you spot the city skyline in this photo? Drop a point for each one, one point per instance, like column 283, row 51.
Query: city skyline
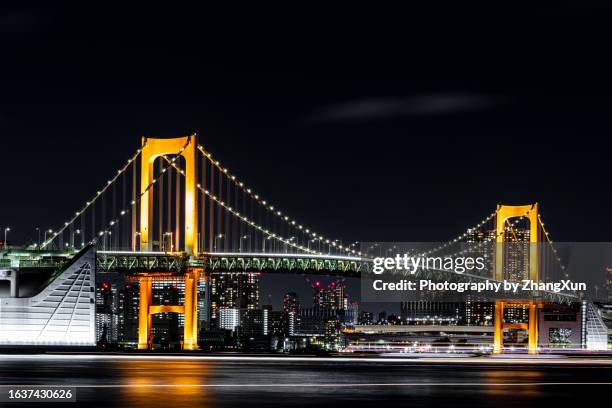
column 292, row 204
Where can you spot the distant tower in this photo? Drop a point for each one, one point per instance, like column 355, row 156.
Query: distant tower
column 291, row 302
column 331, row 297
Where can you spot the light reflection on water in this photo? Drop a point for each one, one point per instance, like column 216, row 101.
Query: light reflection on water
column 144, row 377
column 135, row 382
column 498, row 376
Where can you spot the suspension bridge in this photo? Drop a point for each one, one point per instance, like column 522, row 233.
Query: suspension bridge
column 175, row 209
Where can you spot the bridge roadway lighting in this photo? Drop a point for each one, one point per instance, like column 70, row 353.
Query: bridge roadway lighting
column 244, row 237
column 72, row 234
column 263, row 249
column 47, row 232
column 6, row 231
column 77, row 232
column 104, row 235
column 308, row 241
column 333, row 244
column 220, row 236
column 136, row 234
column 171, row 241
column 38, row 238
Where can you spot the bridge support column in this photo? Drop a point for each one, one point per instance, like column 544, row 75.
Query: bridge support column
column 531, row 326
column 533, row 329
column 144, row 317
column 498, row 333
column 15, row 285
column 190, row 338
column 12, row 276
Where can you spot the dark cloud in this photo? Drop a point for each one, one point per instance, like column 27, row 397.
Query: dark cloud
column 416, row 106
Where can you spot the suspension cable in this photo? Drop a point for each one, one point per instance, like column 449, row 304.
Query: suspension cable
column 133, row 203
column 242, row 217
column 265, row 204
column 93, row 200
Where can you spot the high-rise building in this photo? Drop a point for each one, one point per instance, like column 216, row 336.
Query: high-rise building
column 516, row 254
column 228, row 318
column 333, row 334
column 291, row 308
column 331, row 297
column 127, row 311
column 233, row 290
column 382, row 317
column 478, row 313
column 311, row 322
column 254, row 322
column 321, row 298
column 482, row 243
column 352, row 313
column 366, row 317
column 277, row 325
column 428, row 312
column 203, row 304
column 291, row 302
column 254, row 329
column 107, row 327
column 516, row 313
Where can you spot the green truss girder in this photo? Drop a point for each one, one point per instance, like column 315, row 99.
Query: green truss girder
column 143, row 263
column 279, row 264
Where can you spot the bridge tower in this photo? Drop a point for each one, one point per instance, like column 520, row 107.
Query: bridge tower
column 151, row 149
column 504, row 213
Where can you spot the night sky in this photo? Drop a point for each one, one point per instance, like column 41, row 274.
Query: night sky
column 370, row 125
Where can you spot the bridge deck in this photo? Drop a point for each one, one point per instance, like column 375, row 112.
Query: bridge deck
column 130, row 262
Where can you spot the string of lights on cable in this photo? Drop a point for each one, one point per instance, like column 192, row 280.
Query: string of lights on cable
column 244, row 218
column 273, row 210
column 126, row 210
column 89, row 203
column 463, row 235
